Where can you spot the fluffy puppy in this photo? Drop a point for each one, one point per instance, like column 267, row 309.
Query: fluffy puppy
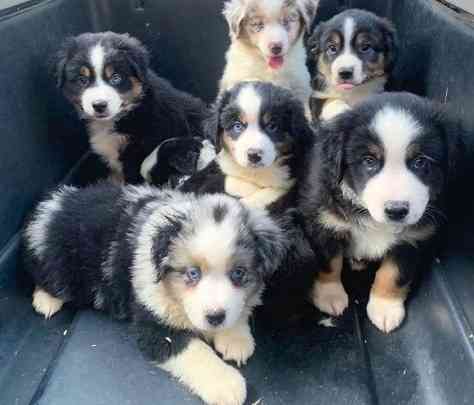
column 261, row 137
column 267, row 43
column 129, row 110
column 188, row 271
column 350, row 58
column 376, row 192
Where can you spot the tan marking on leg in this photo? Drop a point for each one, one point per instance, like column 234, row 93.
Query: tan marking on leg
column 45, row 304
column 328, row 293
column 386, row 307
column 200, row 369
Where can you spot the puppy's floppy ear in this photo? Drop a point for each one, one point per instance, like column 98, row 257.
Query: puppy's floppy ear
column 234, row 12
column 391, row 43
column 314, row 49
column 211, row 125
column 60, row 59
column 307, row 9
column 330, row 145
column 161, row 245
column 300, row 127
column 136, row 54
column 270, row 244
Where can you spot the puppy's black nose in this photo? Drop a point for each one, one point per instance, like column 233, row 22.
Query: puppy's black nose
column 254, row 155
column 99, row 106
column 396, row 210
column 276, row 48
column 346, row 73
column 216, row 318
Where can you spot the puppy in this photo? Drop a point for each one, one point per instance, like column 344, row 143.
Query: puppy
column 188, row 271
column 267, row 43
column 350, row 58
column 261, row 137
column 129, row 110
column 376, row 192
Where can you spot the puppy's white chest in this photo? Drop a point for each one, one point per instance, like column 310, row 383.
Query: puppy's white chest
column 371, row 243
column 107, row 143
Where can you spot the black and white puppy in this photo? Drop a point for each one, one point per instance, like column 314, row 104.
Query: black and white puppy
column 187, row 270
column 350, row 58
column 261, row 136
column 129, row 110
column 376, row 193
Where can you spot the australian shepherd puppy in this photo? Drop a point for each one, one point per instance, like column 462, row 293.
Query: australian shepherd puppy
column 267, row 43
column 128, row 109
column 261, row 137
column 187, row 270
column 350, row 58
column 376, row 192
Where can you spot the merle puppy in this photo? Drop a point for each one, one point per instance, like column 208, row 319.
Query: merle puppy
column 376, row 192
column 187, row 270
column 129, row 110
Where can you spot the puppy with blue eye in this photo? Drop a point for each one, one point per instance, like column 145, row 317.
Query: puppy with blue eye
column 350, row 58
column 128, row 109
column 376, row 192
column 261, row 137
column 186, row 270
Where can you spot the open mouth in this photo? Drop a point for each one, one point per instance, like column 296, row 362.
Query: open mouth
column 276, row 62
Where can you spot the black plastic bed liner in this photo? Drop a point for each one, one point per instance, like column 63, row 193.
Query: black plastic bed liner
column 305, row 358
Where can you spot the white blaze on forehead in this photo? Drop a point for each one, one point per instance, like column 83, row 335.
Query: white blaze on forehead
column 397, row 129
column 349, row 26
column 249, row 102
column 97, row 57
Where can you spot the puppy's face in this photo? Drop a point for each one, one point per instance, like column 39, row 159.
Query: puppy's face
column 258, row 124
column 272, row 26
column 394, row 158
column 217, row 261
column 352, row 48
column 102, row 74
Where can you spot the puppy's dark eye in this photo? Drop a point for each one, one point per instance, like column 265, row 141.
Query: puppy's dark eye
column 82, row 80
column 272, row 126
column 115, row 79
column 237, row 127
column 257, row 26
column 237, row 275
column 370, row 163
column 193, row 275
column 331, row 49
column 364, row 48
column 420, row 163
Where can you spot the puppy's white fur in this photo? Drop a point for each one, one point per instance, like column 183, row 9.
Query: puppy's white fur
column 395, row 182
column 45, row 304
column 386, row 313
column 248, row 61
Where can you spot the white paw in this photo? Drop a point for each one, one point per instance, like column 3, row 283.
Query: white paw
column 227, row 388
column 45, row 303
column 386, row 313
column 330, row 297
column 235, row 345
column 333, row 108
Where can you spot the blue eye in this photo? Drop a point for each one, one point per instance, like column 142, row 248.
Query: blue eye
column 237, row 127
column 83, row 80
column 420, row 163
column 115, row 79
column 365, row 48
column 272, row 126
column 193, row 275
column 370, row 162
column 331, row 49
column 237, row 275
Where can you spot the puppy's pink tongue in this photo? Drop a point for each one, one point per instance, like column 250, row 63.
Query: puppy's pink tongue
column 275, row 62
column 345, row 86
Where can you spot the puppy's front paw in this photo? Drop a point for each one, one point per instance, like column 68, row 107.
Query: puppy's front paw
column 386, row 313
column 330, row 297
column 45, row 304
column 227, row 388
column 236, row 345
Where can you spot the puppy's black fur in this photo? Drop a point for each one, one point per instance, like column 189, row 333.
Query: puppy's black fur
column 151, row 109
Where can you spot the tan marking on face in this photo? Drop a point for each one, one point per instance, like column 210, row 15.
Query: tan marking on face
column 324, row 68
column 85, row 71
column 229, row 143
column 386, row 281
column 135, row 93
column 109, row 71
column 376, row 69
column 333, row 272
